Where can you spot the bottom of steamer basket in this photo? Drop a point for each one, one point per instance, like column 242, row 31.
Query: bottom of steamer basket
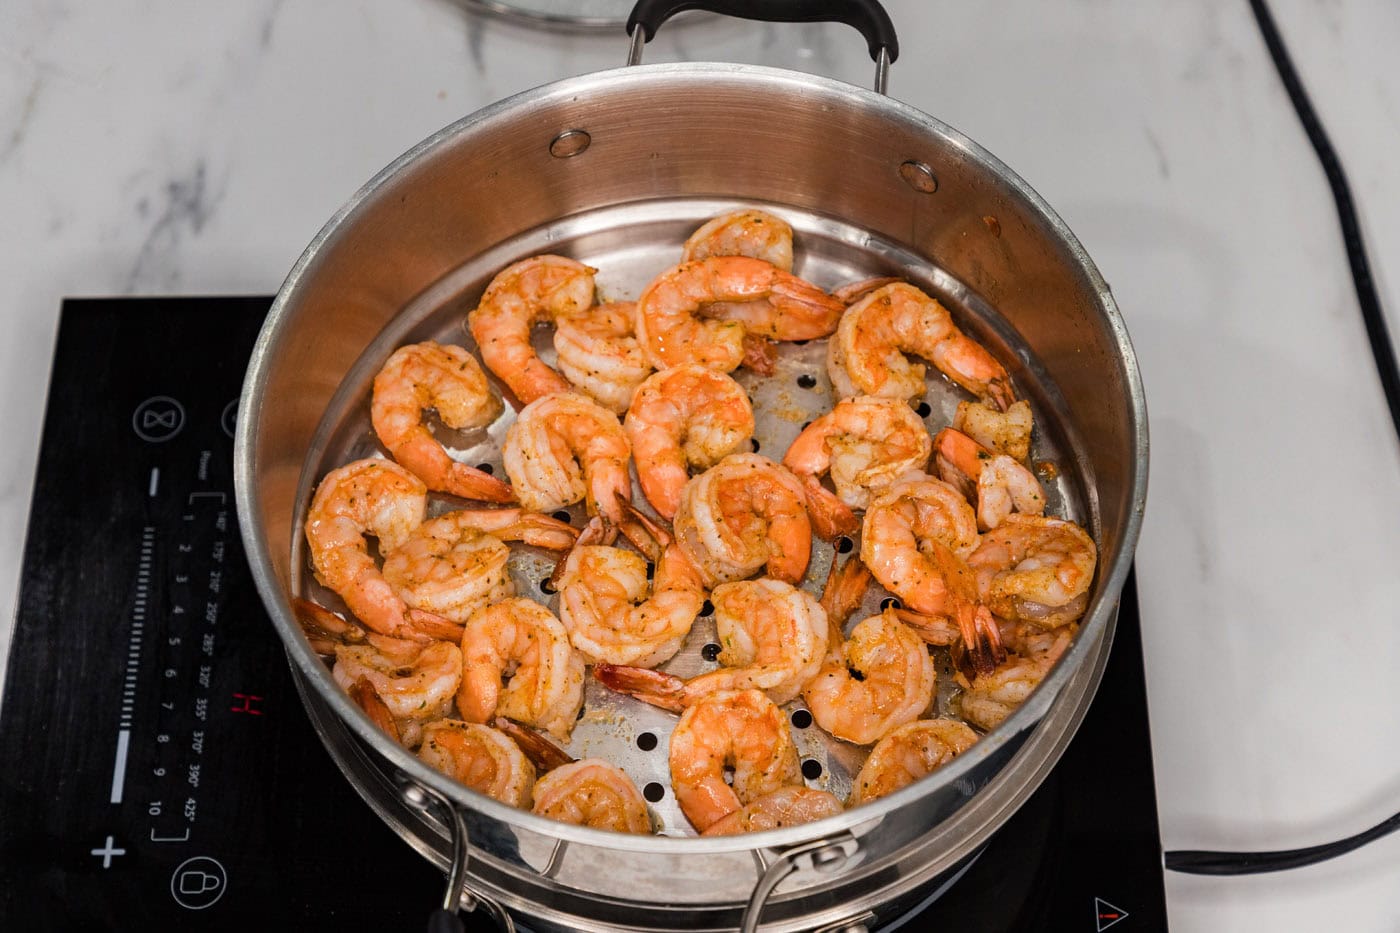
column 882, row 893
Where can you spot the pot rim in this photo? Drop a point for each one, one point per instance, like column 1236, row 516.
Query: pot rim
column 1112, row 573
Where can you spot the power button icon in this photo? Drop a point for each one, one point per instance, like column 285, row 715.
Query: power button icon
column 198, row 883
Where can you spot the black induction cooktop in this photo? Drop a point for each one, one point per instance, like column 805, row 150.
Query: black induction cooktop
column 160, row 772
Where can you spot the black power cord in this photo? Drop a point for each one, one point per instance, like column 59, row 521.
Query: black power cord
column 1248, row 863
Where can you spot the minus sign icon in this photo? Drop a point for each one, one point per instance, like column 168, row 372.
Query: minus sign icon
column 155, row 481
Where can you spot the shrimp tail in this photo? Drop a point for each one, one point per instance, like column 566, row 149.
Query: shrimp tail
column 959, row 460
column 544, row 531
column 934, row 629
column 646, row 534
column 1000, row 393
column 433, row 625
column 664, row 690
column 369, row 700
column 760, row 354
column 323, row 628
column 543, row 754
column 855, row 291
column 598, row 531
column 470, row 483
column 845, row 588
column 831, row 517
column 982, row 639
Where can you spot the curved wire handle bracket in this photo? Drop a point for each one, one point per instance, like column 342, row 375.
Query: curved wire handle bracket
column 825, row 856
column 457, row 895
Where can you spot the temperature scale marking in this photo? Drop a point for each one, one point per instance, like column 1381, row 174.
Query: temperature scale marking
column 138, row 624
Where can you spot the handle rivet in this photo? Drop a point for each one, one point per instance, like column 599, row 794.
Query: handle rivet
column 569, row 144
column 828, row 859
column 919, row 176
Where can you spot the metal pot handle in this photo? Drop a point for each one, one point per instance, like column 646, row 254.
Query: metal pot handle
column 458, row 895
column 822, row 855
column 868, row 16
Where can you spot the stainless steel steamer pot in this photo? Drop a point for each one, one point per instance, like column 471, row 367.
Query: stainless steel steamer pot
column 658, row 133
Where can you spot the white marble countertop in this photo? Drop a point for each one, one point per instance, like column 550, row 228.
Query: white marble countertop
column 166, row 147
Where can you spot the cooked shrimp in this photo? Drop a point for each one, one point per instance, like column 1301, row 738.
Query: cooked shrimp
column 415, row 682
column 448, row 379
column 865, row 443
column 604, row 603
column 542, row 288
column 746, row 232
column 480, row 757
column 742, row 730
column 999, row 483
column 1005, row 432
column 1035, row 569
column 989, row 699
column 595, row 793
column 740, row 297
column 742, row 514
column 599, row 354
column 786, row 806
column 915, row 539
column 683, row 418
column 380, row 499
column 907, row 754
column 772, row 638
column 867, row 354
column 454, row 564
column 898, row 528
column 591, row 792
column 519, row 643
column 565, row 448
column 878, row 678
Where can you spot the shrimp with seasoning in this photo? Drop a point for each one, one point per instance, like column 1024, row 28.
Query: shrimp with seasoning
column 326, row 631
column 1035, row 569
column 542, row 288
column 446, row 378
column 907, row 754
column 916, row 537
column 989, row 699
column 998, row 483
column 414, row 682
column 604, row 603
column 711, row 311
column 772, row 636
column 738, row 729
column 878, row 678
column 591, row 792
column 566, row 448
column 482, row 758
column 454, row 564
column 381, row 499
column 786, row 806
column 1004, row 432
column 866, row 443
column 745, row 232
column 867, row 354
column 598, row 352
column 519, row 664
column 683, row 418
column 744, row 513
